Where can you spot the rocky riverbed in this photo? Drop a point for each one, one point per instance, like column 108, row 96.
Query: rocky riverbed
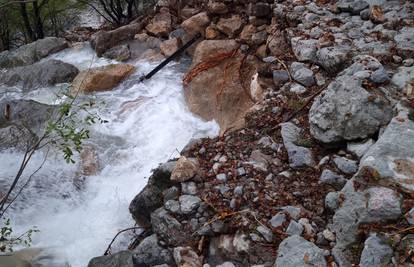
column 314, row 164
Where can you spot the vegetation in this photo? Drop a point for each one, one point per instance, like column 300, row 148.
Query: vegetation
column 25, row 21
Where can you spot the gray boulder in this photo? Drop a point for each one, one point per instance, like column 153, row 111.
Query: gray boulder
column 347, row 111
column 120, row 259
column 402, row 77
column 332, row 59
column 150, row 253
column 345, row 165
column 40, row 74
column 352, row 6
column 376, row 252
column 119, row 52
column 304, row 50
column 30, row 53
column 18, row 137
column 151, row 197
column 383, row 204
column 296, row 251
column 167, row 228
column 299, row 156
column 405, row 42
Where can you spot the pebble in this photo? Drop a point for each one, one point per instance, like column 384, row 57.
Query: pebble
column 294, row 228
column 278, row 220
column 221, row 177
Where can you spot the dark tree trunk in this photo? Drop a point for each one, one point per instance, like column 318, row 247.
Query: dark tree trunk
column 38, row 21
column 26, row 21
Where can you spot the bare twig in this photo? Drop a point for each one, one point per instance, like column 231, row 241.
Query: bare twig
column 107, row 251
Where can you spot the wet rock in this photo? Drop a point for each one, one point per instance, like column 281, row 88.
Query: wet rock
column 119, row 53
column 360, row 148
column 405, row 42
column 390, row 159
column 150, row 253
column 120, row 259
column 160, row 26
column 346, row 165
column 189, row 203
column 187, row 257
column 333, row 179
column 347, row 111
column 40, row 74
column 230, row 26
column 27, row 114
column 170, row 46
column 383, row 204
column 151, row 197
column 294, row 228
column 332, row 59
column 298, row 156
column 278, row 220
column 167, row 228
column 376, row 252
column 30, row 53
column 89, row 161
column 296, row 251
column 196, row 24
column 100, row 78
column 304, row 50
column 302, row 74
column 104, row 40
column 185, row 169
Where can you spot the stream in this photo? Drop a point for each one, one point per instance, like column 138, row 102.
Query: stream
column 77, row 222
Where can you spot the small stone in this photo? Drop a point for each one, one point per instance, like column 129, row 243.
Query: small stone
column 278, row 220
column 294, row 228
column 410, row 216
column 380, row 76
column 189, row 188
column 241, row 171
column 186, row 256
column 302, row 74
column 383, row 204
column 294, row 212
column 170, row 193
column 221, row 177
column 408, row 62
column 172, row 205
column 230, row 26
column 189, row 204
column 184, row 170
column 328, row 235
column 259, row 9
column 217, row 8
column 238, row 191
column 346, row 165
column 297, row 251
column 333, row 179
column 376, row 252
column 304, row 50
column 226, row 264
column 280, row 77
column 298, row 89
column 223, row 189
column 266, row 233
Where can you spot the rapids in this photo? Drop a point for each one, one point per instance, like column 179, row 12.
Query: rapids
column 76, row 223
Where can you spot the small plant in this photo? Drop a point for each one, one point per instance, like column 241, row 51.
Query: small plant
column 305, row 142
column 7, row 241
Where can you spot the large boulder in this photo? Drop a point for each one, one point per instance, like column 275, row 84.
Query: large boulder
column 103, row 40
column 30, row 53
column 120, row 259
column 150, row 253
column 40, row 74
column 161, row 24
column 196, row 24
column 297, row 251
column 348, row 111
column 151, row 197
column 230, row 26
column 218, row 92
column 100, row 78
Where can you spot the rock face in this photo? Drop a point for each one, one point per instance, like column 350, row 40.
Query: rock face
column 296, row 251
column 40, row 74
column 120, row 259
column 213, row 94
column 103, row 40
column 347, row 111
column 101, row 78
column 30, row 53
column 151, row 197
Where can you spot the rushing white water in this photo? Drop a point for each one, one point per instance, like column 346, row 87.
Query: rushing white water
column 79, row 223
